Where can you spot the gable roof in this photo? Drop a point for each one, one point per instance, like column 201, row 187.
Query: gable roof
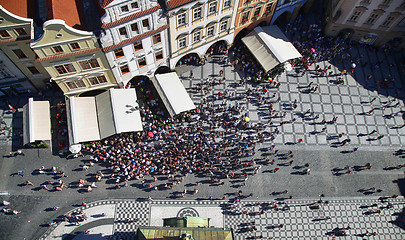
column 22, row 8
column 177, row 3
column 105, row 3
column 71, row 11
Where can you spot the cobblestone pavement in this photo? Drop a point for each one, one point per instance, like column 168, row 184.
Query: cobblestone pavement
column 301, row 219
column 349, row 102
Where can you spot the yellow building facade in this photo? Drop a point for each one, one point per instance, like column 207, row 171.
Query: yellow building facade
column 73, row 58
column 16, row 33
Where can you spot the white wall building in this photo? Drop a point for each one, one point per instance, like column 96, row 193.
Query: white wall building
column 197, row 25
column 134, row 38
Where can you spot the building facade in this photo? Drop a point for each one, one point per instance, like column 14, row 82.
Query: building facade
column 16, row 32
column 134, row 38
column 251, row 13
column 73, row 58
column 374, row 22
column 194, row 26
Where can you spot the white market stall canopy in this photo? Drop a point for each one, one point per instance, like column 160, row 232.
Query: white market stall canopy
column 270, row 46
column 173, row 93
column 36, row 121
column 111, row 112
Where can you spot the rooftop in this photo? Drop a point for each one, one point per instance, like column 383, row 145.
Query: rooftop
column 71, row 11
column 22, row 8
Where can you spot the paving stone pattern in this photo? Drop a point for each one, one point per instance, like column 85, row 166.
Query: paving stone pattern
column 349, row 102
column 299, row 217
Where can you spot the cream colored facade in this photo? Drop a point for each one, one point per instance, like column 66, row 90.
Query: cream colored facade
column 73, row 58
column 374, row 22
column 197, row 25
column 15, row 35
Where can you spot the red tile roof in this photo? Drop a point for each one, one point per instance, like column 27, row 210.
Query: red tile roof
column 71, row 11
column 22, row 8
column 176, row 3
column 67, row 55
column 135, row 38
column 129, row 17
column 105, row 3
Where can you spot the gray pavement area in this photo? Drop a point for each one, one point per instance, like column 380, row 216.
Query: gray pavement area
column 354, row 197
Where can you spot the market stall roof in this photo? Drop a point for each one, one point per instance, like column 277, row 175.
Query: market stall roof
column 82, row 119
column 118, row 112
column 270, row 46
column 36, row 121
column 111, row 112
column 173, row 93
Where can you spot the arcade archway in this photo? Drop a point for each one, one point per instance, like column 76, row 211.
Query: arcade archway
column 189, row 59
column 162, row 70
column 217, row 48
column 92, row 93
column 345, row 33
column 283, row 19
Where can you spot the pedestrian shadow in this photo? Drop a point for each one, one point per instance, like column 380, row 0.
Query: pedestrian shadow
column 371, row 139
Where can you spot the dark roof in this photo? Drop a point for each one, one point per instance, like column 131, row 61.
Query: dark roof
column 22, row 8
column 129, row 17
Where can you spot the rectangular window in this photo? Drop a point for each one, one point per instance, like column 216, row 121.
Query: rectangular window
column 210, row 31
column 57, row 49
column 138, row 46
column 388, row 21
column 159, row 55
column 134, row 5
column 212, row 8
column 227, row 3
column 257, row 12
column 75, row 84
column 197, row 37
column 97, row 80
column 124, row 9
column 182, row 43
column 119, row 53
column 4, row 34
column 355, row 16
column 224, row 26
column 134, row 28
column 123, row 31
column 197, row 13
column 19, row 53
column 66, row 68
column 268, row 9
column 75, row 46
column 142, row 62
column 156, row 38
column 33, row 70
column 124, row 69
column 145, row 23
column 89, row 64
column 245, row 17
column 372, row 18
column 181, row 19
column 20, row 31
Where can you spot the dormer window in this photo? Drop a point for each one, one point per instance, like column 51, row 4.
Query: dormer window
column 57, row 49
column 20, row 31
column 134, row 5
column 124, row 9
